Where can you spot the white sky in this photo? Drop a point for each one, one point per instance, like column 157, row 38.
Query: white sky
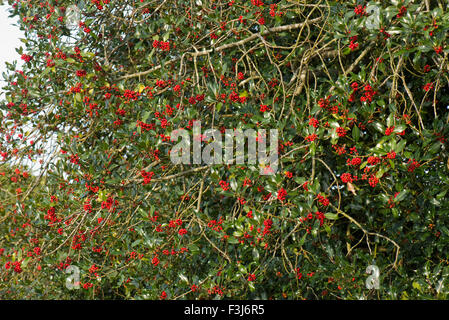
column 9, row 40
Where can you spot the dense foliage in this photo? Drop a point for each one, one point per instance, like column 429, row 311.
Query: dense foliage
column 358, row 91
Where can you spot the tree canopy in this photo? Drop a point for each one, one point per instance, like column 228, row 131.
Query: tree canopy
column 358, row 92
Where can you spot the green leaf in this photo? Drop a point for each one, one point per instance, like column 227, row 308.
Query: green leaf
column 331, row 216
column 379, row 127
column 416, row 285
column 194, row 248
column 400, row 146
column 355, row 133
column 183, row 278
column 400, row 196
column 303, row 239
column 233, row 240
